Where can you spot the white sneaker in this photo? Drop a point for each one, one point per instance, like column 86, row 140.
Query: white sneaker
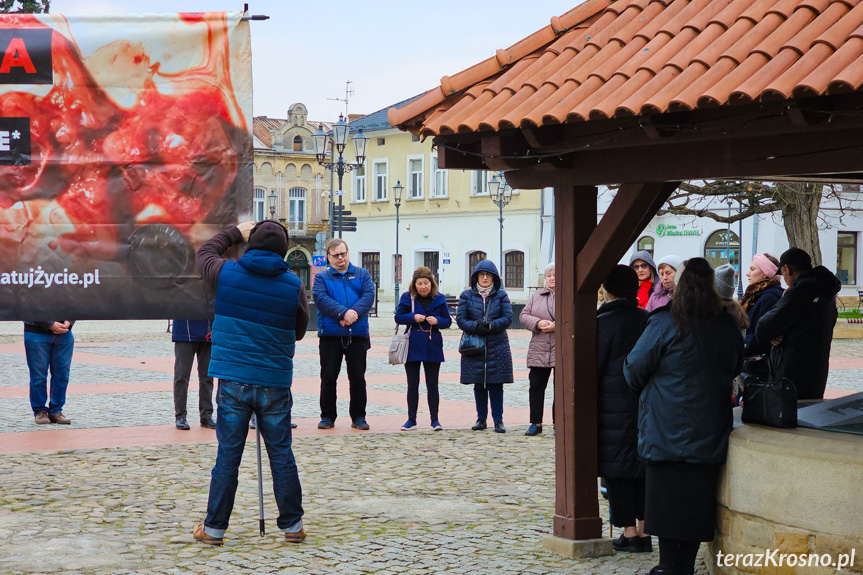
column 436, row 426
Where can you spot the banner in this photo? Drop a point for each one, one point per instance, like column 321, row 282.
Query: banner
column 125, row 143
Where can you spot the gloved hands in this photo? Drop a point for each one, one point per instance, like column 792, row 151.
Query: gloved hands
column 483, row 328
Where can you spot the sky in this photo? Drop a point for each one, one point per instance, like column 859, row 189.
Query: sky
column 389, row 49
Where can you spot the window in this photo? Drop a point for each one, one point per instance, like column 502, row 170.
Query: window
column 260, row 204
column 514, row 274
column 415, row 138
column 382, row 141
column 381, row 170
column 298, row 143
column 415, row 178
column 479, row 183
column 723, row 247
column 299, row 264
column 646, row 243
column 473, row 259
column 372, row 264
column 297, row 209
column 397, row 263
column 846, row 258
column 441, row 180
column 360, row 184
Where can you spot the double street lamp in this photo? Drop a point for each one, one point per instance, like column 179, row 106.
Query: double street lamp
column 338, row 138
column 397, row 199
column 501, row 194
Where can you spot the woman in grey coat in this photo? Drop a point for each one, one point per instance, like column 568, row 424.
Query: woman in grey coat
column 538, row 317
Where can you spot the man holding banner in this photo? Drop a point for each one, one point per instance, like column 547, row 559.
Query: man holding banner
column 261, row 311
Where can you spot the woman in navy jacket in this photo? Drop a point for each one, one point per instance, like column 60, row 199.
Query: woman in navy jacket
column 425, row 312
column 485, row 310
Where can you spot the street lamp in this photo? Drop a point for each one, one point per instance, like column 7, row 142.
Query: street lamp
column 397, row 199
column 739, row 251
column 273, row 198
column 501, row 194
column 338, row 137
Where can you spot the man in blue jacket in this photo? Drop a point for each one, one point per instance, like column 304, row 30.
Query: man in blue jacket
column 343, row 294
column 191, row 338
column 261, row 311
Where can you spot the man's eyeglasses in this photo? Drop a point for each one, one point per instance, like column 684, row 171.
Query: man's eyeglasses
column 340, row 255
column 640, row 266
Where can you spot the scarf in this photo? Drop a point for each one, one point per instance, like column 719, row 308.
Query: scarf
column 754, row 290
column 484, row 292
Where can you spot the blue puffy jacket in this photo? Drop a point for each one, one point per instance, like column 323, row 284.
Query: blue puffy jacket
column 426, row 342
column 191, row 329
column 495, row 366
column 684, row 411
column 335, row 293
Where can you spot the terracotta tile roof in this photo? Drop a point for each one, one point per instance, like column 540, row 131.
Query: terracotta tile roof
column 610, row 59
column 262, row 125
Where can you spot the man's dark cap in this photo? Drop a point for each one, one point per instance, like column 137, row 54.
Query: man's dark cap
column 622, row 282
column 796, row 258
column 270, row 236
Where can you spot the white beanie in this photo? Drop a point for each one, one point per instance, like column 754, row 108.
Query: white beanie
column 725, row 281
column 671, row 260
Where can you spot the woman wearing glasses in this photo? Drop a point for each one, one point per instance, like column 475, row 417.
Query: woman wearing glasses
column 485, row 310
column 648, row 280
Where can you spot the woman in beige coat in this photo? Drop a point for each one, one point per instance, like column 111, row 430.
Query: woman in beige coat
column 538, row 317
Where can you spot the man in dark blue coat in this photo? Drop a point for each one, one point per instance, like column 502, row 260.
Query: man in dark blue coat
column 343, row 294
column 261, row 311
column 191, row 338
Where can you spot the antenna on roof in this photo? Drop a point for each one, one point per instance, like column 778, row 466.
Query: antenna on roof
column 348, row 93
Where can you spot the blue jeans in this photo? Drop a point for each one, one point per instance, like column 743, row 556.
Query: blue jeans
column 483, row 394
column 48, row 351
column 272, row 408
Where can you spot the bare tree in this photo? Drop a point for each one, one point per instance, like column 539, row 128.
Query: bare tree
column 798, row 203
column 25, row 6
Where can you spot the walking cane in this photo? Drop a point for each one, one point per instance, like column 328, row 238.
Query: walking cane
column 260, row 483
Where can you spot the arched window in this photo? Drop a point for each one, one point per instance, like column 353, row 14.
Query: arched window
column 298, row 143
column 259, row 205
column 646, row 243
column 514, row 274
column 473, row 259
column 723, row 247
column 299, row 264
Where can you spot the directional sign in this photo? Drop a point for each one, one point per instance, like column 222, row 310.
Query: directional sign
column 343, row 211
column 319, row 261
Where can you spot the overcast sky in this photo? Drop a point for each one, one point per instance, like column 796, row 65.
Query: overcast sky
column 389, row 49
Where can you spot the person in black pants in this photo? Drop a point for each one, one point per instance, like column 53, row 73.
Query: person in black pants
column 425, row 312
column 683, row 367
column 619, row 323
column 343, row 294
column 538, row 317
column 191, row 338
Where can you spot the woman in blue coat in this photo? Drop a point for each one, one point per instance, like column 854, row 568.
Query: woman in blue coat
column 425, row 312
column 485, row 310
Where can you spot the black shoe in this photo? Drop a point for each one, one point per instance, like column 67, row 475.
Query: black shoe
column 665, row 571
column 646, row 544
column 293, row 425
column 498, row 427
column 479, row 425
column 627, row 544
column 183, row 424
column 208, row 422
column 534, row 429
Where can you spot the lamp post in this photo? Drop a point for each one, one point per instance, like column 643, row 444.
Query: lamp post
column 739, row 252
column 338, row 138
column 501, row 194
column 273, row 198
column 397, row 199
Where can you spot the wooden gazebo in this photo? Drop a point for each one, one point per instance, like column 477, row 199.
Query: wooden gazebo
column 646, row 93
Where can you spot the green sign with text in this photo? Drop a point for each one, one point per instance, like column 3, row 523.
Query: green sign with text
column 663, row 230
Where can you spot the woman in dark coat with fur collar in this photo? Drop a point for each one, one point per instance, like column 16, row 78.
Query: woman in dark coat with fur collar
column 619, row 324
column 485, row 310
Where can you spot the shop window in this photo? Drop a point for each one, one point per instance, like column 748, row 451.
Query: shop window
column 846, row 258
column 723, row 247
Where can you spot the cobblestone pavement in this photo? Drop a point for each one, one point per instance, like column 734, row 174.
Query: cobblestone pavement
column 383, row 502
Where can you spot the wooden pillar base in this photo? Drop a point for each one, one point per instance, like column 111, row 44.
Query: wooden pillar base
column 579, row 549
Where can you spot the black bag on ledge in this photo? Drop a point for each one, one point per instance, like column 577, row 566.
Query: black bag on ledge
column 768, row 401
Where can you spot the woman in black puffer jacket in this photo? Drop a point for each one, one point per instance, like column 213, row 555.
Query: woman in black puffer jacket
column 485, row 310
column 619, row 324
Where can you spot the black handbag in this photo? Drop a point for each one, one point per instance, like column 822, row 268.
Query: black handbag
column 471, row 344
column 771, row 401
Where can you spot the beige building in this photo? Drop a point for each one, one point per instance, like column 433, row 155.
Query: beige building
column 447, row 219
column 285, row 165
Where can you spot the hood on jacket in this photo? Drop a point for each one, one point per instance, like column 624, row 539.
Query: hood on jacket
column 821, row 280
column 263, row 262
column 485, row 266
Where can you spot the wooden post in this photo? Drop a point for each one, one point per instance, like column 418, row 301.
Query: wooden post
column 577, row 508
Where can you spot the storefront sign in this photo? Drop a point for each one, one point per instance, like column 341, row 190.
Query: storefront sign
column 663, row 230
